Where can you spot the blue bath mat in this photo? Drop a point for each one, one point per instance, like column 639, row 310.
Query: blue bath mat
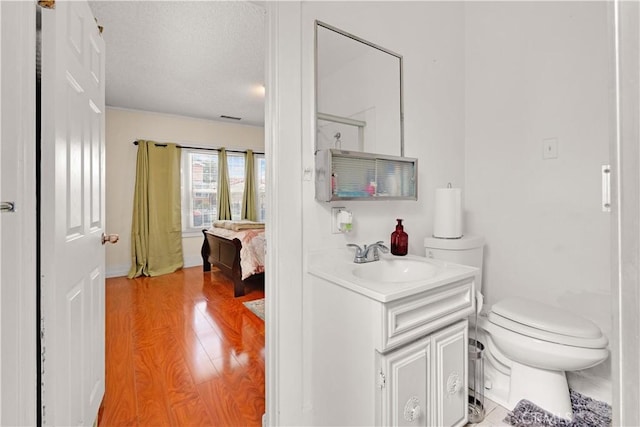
column 587, row 412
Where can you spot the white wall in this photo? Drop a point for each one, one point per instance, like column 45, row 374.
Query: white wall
column 125, row 126
column 536, row 71
column 430, row 36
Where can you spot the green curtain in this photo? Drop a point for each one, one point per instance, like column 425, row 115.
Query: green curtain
column 156, row 231
column 224, row 194
column 249, row 196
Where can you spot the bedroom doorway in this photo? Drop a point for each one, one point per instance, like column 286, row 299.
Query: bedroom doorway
column 127, row 124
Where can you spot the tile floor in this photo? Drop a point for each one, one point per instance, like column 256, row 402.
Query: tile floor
column 494, row 414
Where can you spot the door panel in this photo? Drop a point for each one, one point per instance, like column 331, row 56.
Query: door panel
column 96, row 172
column 450, row 354
column 74, row 308
column 406, row 399
column 74, row 147
column 72, row 222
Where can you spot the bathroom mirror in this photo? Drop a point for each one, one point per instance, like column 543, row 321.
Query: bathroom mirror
column 358, row 94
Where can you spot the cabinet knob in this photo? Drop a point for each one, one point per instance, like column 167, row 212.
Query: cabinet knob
column 412, row 410
column 453, row 383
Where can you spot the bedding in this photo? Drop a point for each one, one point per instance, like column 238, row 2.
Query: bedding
column 238, row 225
column 252, row 250
column 239, row 255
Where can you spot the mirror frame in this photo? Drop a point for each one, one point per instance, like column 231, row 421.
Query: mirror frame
column 368, row 43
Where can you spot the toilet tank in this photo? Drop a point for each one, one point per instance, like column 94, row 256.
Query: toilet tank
column 466, row 250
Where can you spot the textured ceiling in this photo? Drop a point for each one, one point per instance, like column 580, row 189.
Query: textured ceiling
column 200, row 59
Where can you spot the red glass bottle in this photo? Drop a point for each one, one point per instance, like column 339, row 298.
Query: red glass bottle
column 399, row 240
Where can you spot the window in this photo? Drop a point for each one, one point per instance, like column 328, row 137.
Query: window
column 235, row 164
column 200, row 187
column 261, row 184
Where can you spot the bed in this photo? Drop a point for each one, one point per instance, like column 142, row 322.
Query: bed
column 237, row 249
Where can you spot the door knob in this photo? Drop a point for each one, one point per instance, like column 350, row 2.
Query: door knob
column 7, row 207
column 111, row 238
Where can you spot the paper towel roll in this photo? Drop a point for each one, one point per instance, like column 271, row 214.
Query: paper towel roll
column 447, row 222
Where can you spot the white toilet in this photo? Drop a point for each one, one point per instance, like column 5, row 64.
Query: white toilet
column 533, row 343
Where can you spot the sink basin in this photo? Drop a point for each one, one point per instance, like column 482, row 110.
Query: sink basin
column 396, row 270
column 389, row 279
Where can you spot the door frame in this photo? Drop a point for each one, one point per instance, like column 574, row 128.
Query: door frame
column 625, row 221
column 283, row 267
column 18, row 337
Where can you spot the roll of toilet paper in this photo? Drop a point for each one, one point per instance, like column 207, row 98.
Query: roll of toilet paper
column 447, row 221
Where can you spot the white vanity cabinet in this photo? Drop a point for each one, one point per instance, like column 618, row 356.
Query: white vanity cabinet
column 387, row 354
column 425, row 382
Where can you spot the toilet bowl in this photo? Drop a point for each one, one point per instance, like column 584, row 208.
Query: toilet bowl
column 540, row 343
column 531, row 344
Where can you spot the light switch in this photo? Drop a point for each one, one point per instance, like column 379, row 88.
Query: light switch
column 550, row 148
column 306, row 174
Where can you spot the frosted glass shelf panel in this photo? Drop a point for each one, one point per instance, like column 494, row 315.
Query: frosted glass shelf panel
column 354, row 175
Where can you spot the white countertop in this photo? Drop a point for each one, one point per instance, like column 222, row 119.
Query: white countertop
column 337, row 266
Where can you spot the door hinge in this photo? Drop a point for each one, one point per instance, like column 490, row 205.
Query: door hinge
column 382, row 380
column 47, row 4
column 100, row 27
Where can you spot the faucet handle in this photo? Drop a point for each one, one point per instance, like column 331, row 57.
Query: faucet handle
column 379, row 245
column 375, row 246
column 382, row 247
column 358, row 249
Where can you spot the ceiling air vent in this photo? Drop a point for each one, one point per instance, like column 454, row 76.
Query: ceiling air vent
column 230, row 117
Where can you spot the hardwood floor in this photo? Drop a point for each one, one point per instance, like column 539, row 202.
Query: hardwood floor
column 182, row 351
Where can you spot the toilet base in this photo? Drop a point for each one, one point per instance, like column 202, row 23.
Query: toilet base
column 547, row 389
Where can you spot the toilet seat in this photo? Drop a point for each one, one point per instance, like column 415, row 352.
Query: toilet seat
column 546, row 323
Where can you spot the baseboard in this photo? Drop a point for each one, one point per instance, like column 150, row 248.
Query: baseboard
column 123, row 270
column 192, row 261
column 591, row 385
column 117, row 271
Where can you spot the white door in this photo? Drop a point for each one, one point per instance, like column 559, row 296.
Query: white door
column 72, row 218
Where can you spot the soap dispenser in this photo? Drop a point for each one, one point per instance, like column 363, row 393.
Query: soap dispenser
column 399, row 240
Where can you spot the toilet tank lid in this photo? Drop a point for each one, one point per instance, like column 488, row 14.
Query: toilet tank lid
column 464, row 242
column 545, row 317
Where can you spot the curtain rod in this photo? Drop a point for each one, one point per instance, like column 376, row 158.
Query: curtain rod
column 202, row 148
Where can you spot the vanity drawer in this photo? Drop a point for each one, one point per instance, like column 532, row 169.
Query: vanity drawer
column 413, row 317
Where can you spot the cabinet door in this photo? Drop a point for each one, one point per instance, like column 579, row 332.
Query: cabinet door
column 405, row 385
column 450, row 375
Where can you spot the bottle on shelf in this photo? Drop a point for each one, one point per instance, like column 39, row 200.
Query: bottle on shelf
column 334, row 183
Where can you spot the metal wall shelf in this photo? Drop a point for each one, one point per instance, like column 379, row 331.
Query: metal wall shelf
column 355, row 175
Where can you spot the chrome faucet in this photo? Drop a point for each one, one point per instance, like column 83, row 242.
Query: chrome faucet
column 362, row 254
